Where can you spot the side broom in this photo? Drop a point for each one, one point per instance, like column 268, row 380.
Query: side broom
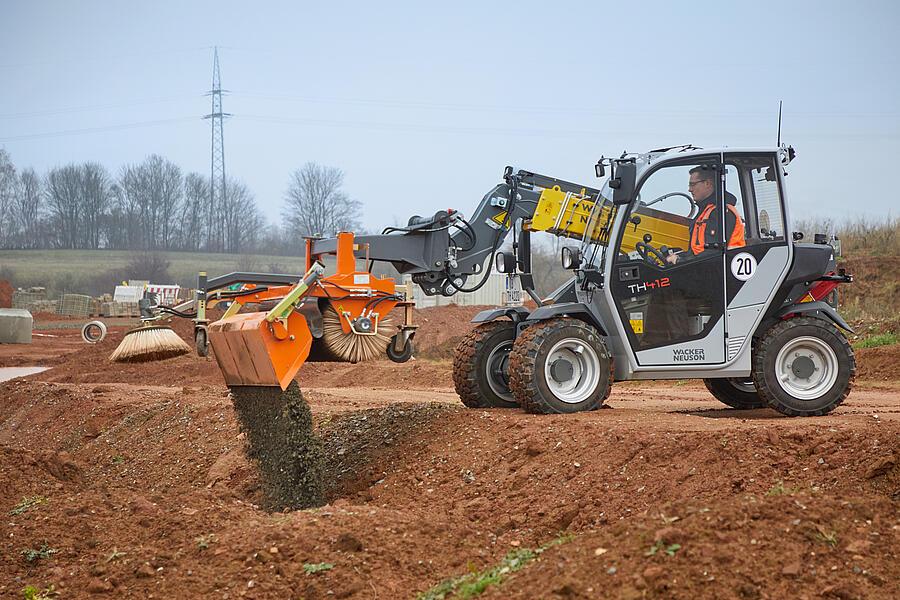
column 149, row 342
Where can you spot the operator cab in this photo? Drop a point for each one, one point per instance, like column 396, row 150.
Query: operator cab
column 686, row 280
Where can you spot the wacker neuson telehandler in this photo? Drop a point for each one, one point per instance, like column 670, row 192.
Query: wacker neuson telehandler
column 684, row 266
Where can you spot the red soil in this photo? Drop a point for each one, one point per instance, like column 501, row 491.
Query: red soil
column 145, row 491
column 6, row 292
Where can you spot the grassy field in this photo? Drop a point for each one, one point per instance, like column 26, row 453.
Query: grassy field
column 93, row 271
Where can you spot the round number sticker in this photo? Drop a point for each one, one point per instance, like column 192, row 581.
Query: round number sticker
column 743, row 266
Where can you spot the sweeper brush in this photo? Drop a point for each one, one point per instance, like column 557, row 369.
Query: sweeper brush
column 354, row 346
column 149, row 343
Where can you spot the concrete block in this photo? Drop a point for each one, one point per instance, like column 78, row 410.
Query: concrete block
column 15, row 326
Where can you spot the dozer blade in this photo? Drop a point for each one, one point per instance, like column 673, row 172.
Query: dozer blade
column 253, row 351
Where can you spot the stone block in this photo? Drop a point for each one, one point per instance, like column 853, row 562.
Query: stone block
column 15, row 326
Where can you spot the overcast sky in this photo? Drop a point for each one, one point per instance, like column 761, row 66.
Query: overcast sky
column 422, row 105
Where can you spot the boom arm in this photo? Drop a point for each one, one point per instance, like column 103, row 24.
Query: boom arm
column 441, row 252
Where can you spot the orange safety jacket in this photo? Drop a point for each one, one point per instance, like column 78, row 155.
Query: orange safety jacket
column 698, row 235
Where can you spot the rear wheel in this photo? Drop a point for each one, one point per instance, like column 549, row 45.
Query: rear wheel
column 736, row 392
column 803, row 367
column 560, row 366
column 481, row 366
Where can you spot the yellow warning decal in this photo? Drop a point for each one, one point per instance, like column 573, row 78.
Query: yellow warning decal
column 637, row 322
column 500, row 218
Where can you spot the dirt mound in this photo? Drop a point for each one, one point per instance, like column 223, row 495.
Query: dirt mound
column 441, row 328
column 624, row 503
column 882, row 363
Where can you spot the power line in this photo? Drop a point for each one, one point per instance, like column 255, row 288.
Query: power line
column 88, row 108
column 107, row 57
column 445, row 106
column 87, row 130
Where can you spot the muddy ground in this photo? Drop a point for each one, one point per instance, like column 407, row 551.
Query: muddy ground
column 130, row 481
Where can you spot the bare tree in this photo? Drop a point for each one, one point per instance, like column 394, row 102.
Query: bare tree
column 96, row 193
column 63, row 190
column 193, row 222
column 316, row 205
column 240, row 217
column 8, row 191
column 28, row 209
column 149, row 197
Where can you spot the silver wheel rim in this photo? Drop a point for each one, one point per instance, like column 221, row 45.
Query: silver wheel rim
column 495, row 365
column 743, row 385
column 814, row 375
column 585, row 370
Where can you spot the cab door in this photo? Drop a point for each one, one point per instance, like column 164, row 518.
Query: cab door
column 756, row 266
column 673, row 314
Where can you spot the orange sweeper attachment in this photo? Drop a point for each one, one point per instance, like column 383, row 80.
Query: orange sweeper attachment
column 338, row 317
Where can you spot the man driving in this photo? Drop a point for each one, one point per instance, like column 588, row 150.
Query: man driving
column 704, row 229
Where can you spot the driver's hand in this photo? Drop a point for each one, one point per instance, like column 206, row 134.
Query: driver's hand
column 672, row 259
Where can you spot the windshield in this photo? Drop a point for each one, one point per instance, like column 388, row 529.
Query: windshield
column 596, row 234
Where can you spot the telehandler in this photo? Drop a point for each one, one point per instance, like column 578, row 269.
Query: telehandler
column 664, row 286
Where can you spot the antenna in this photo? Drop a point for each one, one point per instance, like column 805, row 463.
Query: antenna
column 778, row 144
column 217, row 163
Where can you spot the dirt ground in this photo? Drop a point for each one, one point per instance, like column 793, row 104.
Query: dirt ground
column 130, row 481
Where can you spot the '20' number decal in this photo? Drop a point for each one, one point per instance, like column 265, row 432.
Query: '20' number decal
column 743, row 266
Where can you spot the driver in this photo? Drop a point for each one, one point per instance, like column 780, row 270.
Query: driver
column 704, row 228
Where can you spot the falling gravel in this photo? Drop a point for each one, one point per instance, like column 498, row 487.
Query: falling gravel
column 280, row 440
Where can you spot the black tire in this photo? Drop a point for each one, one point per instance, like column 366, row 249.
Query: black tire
column 201, row 342
column 537, row 344
column 795, row 389
column 729, row 391
column 402, row 356
column 480, row 366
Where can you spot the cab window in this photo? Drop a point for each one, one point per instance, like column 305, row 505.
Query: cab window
column 753, row 180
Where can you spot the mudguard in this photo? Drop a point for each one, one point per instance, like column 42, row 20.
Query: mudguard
column 579, row 310
column 816, row 308
column 514, row 313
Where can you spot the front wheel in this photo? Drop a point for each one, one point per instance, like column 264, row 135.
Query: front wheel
column 803, row 367
column 560, row 365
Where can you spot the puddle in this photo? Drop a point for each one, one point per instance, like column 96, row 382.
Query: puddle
column 7, row 373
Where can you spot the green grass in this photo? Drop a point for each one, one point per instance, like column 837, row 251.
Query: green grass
column 313, row 568
column 35, row 554
column 60, row 269
column 96, row 272
column 880, row 339
column 30, row 592
column 476, row 582
column 26, row 504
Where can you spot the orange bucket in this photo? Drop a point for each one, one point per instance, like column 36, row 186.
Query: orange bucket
column 253, row 351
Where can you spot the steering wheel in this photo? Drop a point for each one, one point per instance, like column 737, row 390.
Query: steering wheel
column 651, row 255
column 694, row 209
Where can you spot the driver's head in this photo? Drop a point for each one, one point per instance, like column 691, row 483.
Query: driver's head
column 701, row 183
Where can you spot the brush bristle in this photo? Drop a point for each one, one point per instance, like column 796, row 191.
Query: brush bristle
column 148, row 344
column 350, row 347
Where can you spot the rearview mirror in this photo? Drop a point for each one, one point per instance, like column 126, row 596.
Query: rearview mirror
column 623, row 183
column 599, row 169
column 571, row 257
column 505, row 262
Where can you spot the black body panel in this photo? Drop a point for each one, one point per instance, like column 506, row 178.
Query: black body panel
column 577, row 310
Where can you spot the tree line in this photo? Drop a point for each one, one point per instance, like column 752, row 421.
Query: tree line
column 154, row 206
